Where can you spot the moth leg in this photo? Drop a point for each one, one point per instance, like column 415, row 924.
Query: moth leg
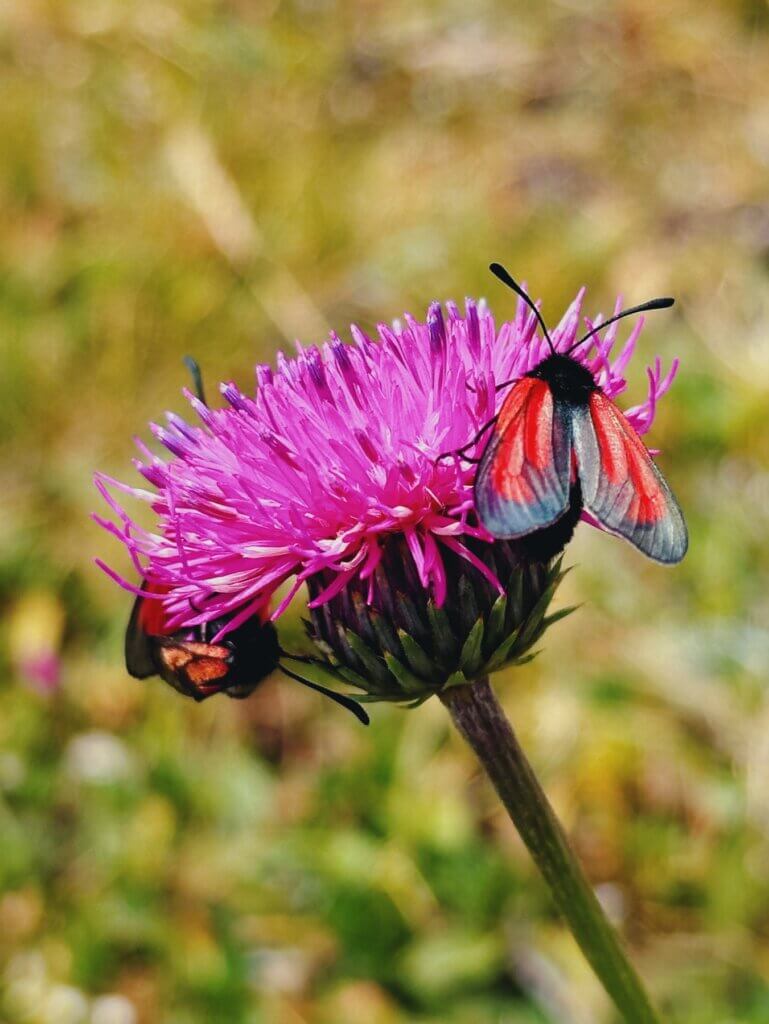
column 466, row 447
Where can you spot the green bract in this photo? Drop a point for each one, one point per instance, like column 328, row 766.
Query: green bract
column 403, row 647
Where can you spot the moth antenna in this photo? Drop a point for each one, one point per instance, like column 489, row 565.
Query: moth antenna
column 339, row 698
column 663, row 303
column 197, row 377
column 499, row 271
column 306, row 659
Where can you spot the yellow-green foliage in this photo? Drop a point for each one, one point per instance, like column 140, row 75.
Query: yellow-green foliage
column 217, row 178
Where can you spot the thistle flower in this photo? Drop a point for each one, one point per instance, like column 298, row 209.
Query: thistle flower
column 330, row 476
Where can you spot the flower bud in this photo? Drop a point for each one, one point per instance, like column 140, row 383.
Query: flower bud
column 390, row 638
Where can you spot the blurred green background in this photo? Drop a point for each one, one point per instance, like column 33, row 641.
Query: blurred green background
column 221, row 177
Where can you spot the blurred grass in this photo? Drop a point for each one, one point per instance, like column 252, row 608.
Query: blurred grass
column 218, row 178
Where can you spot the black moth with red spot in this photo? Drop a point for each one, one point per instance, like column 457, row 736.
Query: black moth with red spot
column 195, row 667
column 188, row 661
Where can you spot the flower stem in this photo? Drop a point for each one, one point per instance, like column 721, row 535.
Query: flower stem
column 480, row 719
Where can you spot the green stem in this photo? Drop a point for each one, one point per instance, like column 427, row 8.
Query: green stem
column 480, row 719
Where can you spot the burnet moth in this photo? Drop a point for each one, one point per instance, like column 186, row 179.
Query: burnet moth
column 189, row 661
column 192, row 663
column 560, row 445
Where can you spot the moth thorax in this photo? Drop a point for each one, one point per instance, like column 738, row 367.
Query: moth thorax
column 569, row 380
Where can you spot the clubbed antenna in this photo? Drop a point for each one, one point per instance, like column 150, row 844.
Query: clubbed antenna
column 663, row 303
column 339, row 698
column 499, row 271
column 197, row 377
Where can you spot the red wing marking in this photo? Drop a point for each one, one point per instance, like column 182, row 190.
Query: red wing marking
column 522, row 483
column 175, row 657
column 525, row 427
column 152, row 615
column 195, row 663
column 206, row 670
column 624, row 457
column 201, row 650
column 621, row 485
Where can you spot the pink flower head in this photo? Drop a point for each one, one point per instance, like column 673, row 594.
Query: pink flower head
column 337, row 450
